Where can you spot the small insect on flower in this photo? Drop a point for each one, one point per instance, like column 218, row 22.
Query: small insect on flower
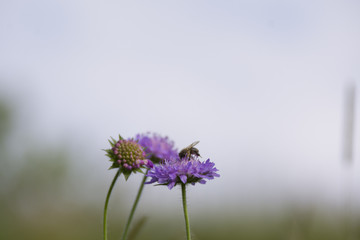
column 189, row 151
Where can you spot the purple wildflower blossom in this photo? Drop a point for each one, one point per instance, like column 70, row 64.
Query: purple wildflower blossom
column 157, row 148
column 127, row 155
column 185, row 171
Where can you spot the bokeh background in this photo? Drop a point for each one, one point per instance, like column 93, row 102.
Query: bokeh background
column 268, row 87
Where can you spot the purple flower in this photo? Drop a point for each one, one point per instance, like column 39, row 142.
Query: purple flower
column 157, row 148
column 185, row 171
column 127, row 155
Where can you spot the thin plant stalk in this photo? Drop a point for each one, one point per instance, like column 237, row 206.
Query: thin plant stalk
column 125, row 233
column 107, row 202
column 187, row 224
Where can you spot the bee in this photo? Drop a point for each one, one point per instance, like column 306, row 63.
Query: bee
column 190, row 150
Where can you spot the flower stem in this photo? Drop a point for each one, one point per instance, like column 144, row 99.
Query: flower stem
column 187, row 224
column 107, row 202
column 134, row 207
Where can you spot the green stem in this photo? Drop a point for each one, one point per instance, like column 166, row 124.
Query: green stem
column 134, row 207
column 187, row 224
column 107, row 202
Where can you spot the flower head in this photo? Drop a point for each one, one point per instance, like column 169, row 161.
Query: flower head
column 157, row 148
column 184, row 171
column 127, row 155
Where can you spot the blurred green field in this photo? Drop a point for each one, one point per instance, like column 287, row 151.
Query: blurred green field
column 86, row 224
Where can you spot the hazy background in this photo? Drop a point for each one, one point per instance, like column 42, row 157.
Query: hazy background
column 261, row 84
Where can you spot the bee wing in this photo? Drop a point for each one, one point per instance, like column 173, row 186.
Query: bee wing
column 192, row 145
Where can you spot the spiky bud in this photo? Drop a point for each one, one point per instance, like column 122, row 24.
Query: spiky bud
column 127, row 155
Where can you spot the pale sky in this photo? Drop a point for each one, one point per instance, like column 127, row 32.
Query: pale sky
column 259, row 83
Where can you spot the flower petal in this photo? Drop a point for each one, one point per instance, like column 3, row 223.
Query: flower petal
column 183, row 178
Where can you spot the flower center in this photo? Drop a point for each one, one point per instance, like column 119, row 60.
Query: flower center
column 129, row 154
